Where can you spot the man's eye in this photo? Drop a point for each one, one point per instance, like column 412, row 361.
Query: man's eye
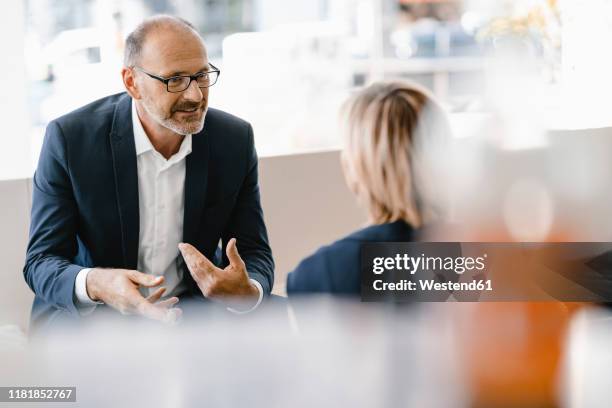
column 175, row 80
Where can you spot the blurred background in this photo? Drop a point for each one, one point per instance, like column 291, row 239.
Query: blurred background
column 288, row 65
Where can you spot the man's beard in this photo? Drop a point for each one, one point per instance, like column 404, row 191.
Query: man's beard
column 188, row 127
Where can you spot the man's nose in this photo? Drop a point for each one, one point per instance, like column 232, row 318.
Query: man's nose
column 193, row 92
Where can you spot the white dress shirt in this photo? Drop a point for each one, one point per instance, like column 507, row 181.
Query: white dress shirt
column 161, row 196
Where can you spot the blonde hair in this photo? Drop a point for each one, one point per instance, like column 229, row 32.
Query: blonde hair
column 391, row 133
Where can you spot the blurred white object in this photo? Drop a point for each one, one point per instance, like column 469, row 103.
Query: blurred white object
column 528, row 211
column 85, row 66
column 345, row 355
column 586, row 376
column 12, row 338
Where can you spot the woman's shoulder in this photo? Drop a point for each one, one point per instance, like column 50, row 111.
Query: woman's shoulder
column 398, row 231
column 333, row 266
column 350, row 244
column 320, row 272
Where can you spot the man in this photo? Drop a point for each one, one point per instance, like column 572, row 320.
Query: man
column 129, row 183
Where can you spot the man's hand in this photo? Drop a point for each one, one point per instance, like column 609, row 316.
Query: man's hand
column 118, row 288
column 230, row 285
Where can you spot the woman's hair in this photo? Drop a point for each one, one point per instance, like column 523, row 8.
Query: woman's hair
column 395, row 134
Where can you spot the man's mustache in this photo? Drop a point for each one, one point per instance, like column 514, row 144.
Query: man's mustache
column 188, row 106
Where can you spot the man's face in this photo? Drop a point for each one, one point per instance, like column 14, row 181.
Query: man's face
column 165, row 54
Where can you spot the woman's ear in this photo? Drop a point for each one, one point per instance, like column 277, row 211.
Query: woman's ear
column 129, row 81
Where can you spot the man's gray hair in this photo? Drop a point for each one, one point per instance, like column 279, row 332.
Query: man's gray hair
column 136, row 39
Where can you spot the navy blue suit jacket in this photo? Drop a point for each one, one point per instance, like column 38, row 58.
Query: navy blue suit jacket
column 85, row 201
column 335, row 268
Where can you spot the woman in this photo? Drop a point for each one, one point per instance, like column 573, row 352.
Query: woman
column 394, row 134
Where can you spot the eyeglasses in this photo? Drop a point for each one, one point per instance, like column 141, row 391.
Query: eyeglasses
column 179, row 83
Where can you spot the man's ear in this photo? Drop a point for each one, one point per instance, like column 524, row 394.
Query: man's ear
column 129, row 81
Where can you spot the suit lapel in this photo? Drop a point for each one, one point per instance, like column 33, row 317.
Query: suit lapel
column 125, row 169
column 196, row 179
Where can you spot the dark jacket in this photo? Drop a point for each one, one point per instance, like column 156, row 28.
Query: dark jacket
column 85, row 201
column 335, row 268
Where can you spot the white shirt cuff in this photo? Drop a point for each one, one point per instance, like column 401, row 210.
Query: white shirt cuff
column 84, row 303
column 260, row 289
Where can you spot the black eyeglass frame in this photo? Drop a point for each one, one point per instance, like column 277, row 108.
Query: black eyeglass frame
column 195, row 77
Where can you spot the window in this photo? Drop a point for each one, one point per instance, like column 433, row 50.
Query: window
column 307, row 56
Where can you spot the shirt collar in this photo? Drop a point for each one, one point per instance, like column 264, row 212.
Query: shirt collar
column 143, row 144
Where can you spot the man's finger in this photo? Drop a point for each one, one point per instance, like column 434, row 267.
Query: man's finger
column 196, row 262
column 167, row 303
column 155, row 296
column 232, row 254
column 148, row 310
column 173, row 315
column 145, row 280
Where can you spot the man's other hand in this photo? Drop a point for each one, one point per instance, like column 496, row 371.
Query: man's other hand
column 230, row 285
column 118, row 288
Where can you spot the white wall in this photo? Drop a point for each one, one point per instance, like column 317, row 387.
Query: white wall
column 15, row 296
column 306, row 205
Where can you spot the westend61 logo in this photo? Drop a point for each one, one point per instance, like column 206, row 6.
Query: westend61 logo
column 413, row 264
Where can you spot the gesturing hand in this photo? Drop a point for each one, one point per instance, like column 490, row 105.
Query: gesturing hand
column 118, row 288
column 230, row 285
